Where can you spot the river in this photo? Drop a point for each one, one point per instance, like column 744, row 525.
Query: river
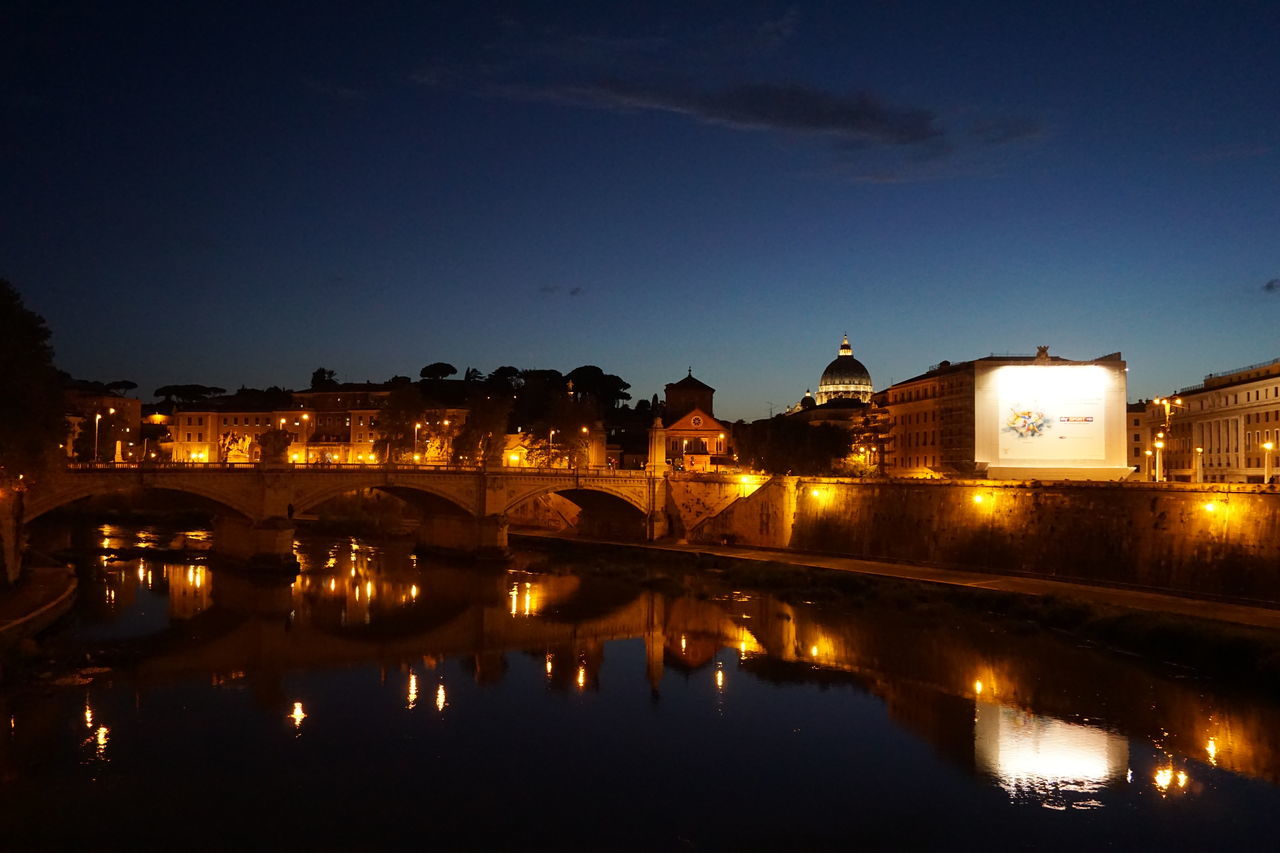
column 383, row 698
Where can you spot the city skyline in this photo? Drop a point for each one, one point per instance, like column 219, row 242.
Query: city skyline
column 238, row 196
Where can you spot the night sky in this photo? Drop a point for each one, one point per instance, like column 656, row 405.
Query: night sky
column 236, row 194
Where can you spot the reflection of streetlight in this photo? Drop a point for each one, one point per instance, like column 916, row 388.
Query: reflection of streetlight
column 1266, row 469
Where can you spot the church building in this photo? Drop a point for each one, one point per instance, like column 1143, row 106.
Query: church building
column 694, row 440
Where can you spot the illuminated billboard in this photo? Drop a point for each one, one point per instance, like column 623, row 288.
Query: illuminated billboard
column 1052, row 414
column 1057, row 420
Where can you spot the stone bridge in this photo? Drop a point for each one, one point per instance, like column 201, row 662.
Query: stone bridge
column 461, row 509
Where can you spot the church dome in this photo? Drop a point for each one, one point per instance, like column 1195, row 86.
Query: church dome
column 845, row 378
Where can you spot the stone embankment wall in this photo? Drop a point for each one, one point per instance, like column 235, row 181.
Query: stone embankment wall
column 1218, row 540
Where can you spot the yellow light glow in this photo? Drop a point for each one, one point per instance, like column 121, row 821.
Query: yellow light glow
column 413, row 690
column 514, row 458
column 1268, row 446
column 549, row 667
column 298, row 715
column 977, row 688
column 1212, row 749
column 1210, row 507
column 88, row 716
column 813, row 651
column 720, row 679
column 1164, row 778
column 333, row 584
column 413, row 592
column 978, row 499
column 1182, row 779
column 582, row 677
column 100, row 740
column 440, row 698
column 684, row 642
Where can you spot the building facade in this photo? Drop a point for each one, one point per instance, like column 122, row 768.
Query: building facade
column 1217, row 431
column 1010, row 417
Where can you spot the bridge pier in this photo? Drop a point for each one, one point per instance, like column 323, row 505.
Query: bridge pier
column 10, row 534
column 264, row 544
column 484, row 537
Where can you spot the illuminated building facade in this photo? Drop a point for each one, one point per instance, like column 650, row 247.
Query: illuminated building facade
column 694, row 440
column 334, row 426
column 1230, row 416
column 1011, row 417
column 845, row 378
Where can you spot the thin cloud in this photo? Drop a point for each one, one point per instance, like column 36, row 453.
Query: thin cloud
column 1005, row 131
column 857, row 119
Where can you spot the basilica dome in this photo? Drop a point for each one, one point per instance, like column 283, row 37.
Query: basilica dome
column 845, row 378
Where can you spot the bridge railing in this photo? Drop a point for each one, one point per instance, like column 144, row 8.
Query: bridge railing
column 347, row 467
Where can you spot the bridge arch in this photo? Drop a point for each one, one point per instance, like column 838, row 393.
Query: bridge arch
column 629, row 497
column 597, row 511
column 438, row 499
column 70, row 491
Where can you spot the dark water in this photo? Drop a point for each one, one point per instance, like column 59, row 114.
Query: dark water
column 381, row 699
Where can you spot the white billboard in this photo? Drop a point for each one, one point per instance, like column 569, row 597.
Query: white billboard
column 1050, row 414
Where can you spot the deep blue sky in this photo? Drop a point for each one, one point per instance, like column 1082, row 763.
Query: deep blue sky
column 235, row 195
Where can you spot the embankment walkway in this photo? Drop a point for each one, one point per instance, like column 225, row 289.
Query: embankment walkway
column 35, row 603
column 1101, row 596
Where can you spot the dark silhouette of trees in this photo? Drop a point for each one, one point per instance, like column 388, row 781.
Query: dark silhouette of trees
column 32, row 420
column 188, row 393
column 401, row 409
column 605, row 389
column 438, row 370
column 323, row 379
column 782, row 445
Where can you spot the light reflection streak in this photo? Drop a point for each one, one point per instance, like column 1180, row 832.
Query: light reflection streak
column 413, row 690
column 440, row 698
column 1046, row 760
column 297, row 715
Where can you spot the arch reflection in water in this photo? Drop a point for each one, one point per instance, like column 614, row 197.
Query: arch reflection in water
column 1044, row 759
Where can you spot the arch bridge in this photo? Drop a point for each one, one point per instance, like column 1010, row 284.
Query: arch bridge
column 462, row 509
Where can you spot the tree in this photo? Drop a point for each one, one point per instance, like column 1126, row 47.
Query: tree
column 120, row 386
column 437, row 370
column 188, row 393
column 32, row 420
column 322, row 379
column 484, row 436
column 606, row 389
column 401, row 409
column 782, row 445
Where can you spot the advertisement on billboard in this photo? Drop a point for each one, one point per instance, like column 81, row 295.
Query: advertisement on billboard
column 1051, row 413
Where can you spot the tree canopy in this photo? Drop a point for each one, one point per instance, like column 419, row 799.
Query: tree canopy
column 188, row 393
column 437, row 370
column 32, row 419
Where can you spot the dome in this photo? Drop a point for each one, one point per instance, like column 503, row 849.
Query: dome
column 845, row 378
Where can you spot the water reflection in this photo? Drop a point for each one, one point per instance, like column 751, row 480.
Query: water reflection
column 981, row 699
column 1042, row 759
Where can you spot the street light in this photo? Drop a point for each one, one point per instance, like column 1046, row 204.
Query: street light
column 97, row 419
column 1149, row 472
column 1159, row 465
column 1199, row 464
column 1266, row 468
column 306, row 438
column 416, row 427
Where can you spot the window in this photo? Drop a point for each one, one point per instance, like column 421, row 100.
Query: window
column 1137, row 436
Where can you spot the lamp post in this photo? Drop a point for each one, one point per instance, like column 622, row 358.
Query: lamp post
column 1266, row 462
column 97, row 420
column 1159, row 462
column 1148, row 472
column 416, row 427
column 1199, row 464
column 306, row 438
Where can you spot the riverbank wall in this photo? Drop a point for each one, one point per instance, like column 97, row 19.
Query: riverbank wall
column 1217, row 540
